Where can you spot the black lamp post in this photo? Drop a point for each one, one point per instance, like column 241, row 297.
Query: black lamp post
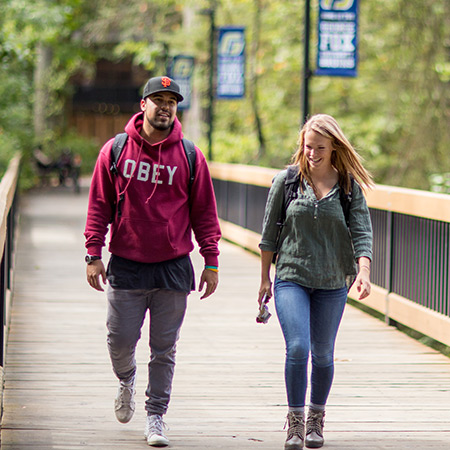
column 306, row 69
column 211, row 12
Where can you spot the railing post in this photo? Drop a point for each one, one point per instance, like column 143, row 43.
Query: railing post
column 3, row 289
column 388, row 262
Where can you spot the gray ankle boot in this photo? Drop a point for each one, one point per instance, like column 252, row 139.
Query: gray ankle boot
column 296, row 431
column 314, row 429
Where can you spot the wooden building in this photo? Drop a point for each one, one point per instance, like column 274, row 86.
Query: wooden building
column 101, row 106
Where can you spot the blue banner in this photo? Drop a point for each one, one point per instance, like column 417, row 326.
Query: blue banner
column 231, row 63
column 181, row 71
column 337, row 52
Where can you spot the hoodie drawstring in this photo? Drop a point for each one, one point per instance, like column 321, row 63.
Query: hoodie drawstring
column 157, row 175
column 122, row 194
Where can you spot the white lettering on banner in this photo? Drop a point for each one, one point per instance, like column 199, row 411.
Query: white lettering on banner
column 232, row 44
column 337, row 16
column 337, row 42
column 337, row 61
column 338, row 37
column 337, row 27
column 336, row 4
column 182, row 67
column 144, row 170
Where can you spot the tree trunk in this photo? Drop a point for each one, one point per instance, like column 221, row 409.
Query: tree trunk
column 192, row 117
column 253, row 77
column 43, row 61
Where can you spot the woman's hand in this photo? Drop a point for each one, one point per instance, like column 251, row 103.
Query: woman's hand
column 264, row 289
column 362, row 282
column 266, row 285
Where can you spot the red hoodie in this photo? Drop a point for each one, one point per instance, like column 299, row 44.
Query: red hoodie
column 158, row 213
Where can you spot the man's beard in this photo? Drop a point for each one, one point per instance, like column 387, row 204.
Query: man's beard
column 161, row 126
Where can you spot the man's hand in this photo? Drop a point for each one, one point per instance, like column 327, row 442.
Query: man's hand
column 94, row 271
column 211, row 279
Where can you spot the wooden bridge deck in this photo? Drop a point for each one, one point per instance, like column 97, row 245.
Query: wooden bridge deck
column 389, row 391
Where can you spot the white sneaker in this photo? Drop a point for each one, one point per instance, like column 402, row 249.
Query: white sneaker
column 154, row 431
column 124, row 404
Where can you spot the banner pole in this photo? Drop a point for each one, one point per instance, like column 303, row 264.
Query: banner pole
column 211, row 82
column 306, row 68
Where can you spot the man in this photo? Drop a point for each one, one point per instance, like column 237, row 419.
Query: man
column 152, row 209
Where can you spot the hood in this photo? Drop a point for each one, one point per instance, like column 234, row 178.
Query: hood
column 134, row 127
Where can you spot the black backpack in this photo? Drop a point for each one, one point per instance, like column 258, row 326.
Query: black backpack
column 116, row 150
column 291, row 186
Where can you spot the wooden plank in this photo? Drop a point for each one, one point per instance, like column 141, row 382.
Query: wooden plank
column 389, row 390
column 417, row 317
column 431, row 205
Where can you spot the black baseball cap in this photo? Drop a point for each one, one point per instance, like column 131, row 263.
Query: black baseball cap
column 162, row 84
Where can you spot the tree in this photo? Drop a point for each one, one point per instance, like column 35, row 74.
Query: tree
column 254, row 77
column 396, row 111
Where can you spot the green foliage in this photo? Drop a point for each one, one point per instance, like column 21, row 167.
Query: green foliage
column 23, row 25
column 278, row 69
column 15, row 114
column 70, row 141
column 81, row 148
column 396, row 111
column 440, row 183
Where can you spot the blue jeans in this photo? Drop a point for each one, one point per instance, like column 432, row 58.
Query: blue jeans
column 309, row 319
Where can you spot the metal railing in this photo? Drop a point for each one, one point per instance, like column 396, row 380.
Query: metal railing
column 411, row 258
column 410, row 268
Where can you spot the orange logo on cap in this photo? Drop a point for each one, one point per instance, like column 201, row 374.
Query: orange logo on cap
column 165, row 81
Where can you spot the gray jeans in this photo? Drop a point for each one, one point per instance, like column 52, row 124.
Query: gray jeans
column 126, row 314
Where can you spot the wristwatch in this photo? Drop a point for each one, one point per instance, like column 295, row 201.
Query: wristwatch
column 89, row 259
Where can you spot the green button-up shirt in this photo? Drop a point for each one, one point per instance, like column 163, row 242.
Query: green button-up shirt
column 316, row 248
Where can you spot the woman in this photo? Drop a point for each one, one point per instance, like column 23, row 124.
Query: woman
column 318, row 257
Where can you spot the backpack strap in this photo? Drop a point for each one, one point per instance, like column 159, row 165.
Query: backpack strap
column 116, row 149
column 191, row 155
column 291, row 185
column 346, row 200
